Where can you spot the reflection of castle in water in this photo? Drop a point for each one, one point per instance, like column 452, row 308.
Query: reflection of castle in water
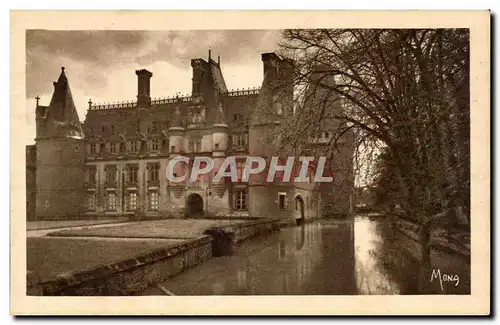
column 304, row 255
column 301, row 257
column 314, row 259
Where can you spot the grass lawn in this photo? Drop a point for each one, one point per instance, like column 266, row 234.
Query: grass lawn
column 169, row 228
column 50, row 256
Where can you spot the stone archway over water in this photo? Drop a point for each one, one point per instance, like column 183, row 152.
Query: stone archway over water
column 299, row 210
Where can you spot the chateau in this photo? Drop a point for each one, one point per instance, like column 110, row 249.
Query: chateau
column 114, row 163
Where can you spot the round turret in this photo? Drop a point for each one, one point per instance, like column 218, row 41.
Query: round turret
column 176, row 139
column 176, row 134
column 220, row 136
column 220, row 139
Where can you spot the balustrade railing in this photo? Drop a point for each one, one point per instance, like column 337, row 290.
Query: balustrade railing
column 170, row 100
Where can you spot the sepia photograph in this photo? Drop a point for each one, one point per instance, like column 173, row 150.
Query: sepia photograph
column 252, row 162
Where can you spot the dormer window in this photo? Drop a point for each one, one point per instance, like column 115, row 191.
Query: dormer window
column 155, row 144
column 238, row 117
column 240, row 140
column 132, row 146
column 112, row 147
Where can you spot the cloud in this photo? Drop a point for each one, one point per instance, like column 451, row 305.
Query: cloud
column 234, row 46
column 96, row 54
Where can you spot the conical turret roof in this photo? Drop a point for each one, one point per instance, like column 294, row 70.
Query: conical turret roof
column 62, row 111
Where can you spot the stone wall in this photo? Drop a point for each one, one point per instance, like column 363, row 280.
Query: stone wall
column 31, row 182
column 126, row 277
column 226, row 238
column 59, row 178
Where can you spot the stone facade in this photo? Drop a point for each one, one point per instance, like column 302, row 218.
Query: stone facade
column 115, row 162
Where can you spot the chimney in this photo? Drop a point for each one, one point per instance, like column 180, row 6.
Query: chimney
column 199, row 71
column 143, row 87
column 271, row 62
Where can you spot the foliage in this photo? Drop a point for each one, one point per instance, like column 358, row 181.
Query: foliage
column 405, row 89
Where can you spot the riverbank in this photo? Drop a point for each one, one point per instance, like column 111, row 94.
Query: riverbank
column 455, row 242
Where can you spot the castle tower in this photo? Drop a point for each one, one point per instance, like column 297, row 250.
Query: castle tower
column 60, row 156
column 176, row 136
column 275, row 100
column 336, row 196
column 208, row 85
column 220, row 140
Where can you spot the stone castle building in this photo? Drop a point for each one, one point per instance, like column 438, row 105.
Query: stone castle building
column 114, row 163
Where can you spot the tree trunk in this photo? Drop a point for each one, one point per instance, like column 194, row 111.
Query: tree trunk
column 425, row 261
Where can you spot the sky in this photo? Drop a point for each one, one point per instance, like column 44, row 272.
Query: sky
column 100, row 65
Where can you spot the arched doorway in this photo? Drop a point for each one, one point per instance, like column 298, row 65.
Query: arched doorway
column 299, row 210
column 194, row 205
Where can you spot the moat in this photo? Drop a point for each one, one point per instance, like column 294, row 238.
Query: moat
column 328, row 257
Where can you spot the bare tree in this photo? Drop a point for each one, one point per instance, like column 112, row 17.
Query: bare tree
column 405, row 89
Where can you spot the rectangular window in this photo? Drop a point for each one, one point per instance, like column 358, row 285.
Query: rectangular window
column 112, row 147
column 132, row 172
column 153, row 172
column 122, row 146
column 110, row 172
column 111, row 201
column 154, row 201
column 195, row 145
column 240, row 140
column 90, row 175
column 241, row 199
column 282, row 201
column 92, row 148
column 172, row 148
column 132, row 146
column 155, row 145
column 132, row 201
column 90, row 203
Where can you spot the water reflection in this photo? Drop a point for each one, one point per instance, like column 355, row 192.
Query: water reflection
column 371, row 278
column 387, row 263
column 355, row 256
